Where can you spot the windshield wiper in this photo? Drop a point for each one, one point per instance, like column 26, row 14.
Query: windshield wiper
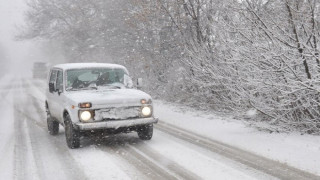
column 112, row 85
column 83, row 88
column 91, row 87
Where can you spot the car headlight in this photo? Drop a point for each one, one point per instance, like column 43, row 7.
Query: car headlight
column 146, row 111
column 85, row 115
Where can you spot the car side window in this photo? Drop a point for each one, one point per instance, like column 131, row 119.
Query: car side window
column 53, row 77
column 60, row 81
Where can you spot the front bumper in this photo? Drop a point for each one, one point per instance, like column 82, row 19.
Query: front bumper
column 115, row 124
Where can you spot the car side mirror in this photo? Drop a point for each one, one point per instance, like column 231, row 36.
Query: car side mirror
column 51, row 87
column 139, row 83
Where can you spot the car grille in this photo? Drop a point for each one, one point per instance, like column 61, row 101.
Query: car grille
column 117, row 113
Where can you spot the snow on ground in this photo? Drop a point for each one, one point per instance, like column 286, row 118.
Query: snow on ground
column 163, row 151
column 131, row 158
column 97, row 164
column 4, row 82
column 6, row 135
column 198, row 161
column 300, row 151
column 160, row 153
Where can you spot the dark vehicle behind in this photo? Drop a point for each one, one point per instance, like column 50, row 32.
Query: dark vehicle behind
column 39, row 70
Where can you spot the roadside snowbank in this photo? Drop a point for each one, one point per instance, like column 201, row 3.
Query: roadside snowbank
column 300, row 151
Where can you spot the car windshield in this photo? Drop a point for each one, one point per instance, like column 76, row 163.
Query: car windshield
column 82, row 79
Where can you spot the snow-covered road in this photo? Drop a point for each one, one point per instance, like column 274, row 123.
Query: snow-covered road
column 27, row 151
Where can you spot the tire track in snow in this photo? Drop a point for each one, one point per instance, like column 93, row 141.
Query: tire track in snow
column 165, row 162
column 40, row 113
column 13, row 84
column 46, row 147
column 130, row 163
column 21, row 169
column 59, row 159
column 145, row 167
column 146, row 161
column 268, row 166
column 5, row 89
column 254, row 161
column 153, row 165
column 6, row 146
column 19, row 149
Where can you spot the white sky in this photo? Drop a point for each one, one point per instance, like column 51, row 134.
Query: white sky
column 20, row 54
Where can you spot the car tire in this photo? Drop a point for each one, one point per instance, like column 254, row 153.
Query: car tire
column 53, row 126
column 72, row 135
column 145, row 132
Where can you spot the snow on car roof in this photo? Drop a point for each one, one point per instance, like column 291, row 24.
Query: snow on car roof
column 89, row 65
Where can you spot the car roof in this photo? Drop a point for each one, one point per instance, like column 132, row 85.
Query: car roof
column 89, row 65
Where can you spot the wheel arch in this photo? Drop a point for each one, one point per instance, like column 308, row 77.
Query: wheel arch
column 46, row 104
column 64, row 115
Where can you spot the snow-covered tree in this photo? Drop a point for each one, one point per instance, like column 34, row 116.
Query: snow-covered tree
column 227, row 55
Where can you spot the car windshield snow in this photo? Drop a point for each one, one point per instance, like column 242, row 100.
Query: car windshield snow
column 83, row 79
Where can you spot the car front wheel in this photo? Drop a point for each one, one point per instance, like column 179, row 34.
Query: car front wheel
column 145, row 132
column 72, row 135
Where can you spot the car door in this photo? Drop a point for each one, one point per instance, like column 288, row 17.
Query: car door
column 59, row 97
column 51, row 94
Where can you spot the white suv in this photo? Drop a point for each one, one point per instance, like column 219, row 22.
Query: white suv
column 86, row 97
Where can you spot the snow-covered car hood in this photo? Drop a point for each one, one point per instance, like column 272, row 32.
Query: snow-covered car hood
column 109, row 97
